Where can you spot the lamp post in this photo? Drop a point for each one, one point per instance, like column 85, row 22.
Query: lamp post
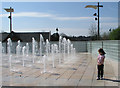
column 96, row 7
column 10, row 17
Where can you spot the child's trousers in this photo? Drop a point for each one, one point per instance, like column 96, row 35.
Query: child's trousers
column 100, row 70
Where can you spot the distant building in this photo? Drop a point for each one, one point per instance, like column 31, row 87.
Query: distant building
column 27, row 36
column 24, row 36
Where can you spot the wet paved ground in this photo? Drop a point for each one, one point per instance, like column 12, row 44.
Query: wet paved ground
column 76, row 71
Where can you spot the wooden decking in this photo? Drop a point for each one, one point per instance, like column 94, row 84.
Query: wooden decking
column 77, row 71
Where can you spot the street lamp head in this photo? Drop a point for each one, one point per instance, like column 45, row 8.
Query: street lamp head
column 9, row 17
column 9, row 9
column 95, row 14
column 91, row 6
column 57, row 29
column 95, row 18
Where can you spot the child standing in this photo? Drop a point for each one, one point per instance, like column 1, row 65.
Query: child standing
column 100, row 63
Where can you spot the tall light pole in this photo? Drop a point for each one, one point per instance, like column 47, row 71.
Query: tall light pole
column 98, row 20
column 10, row 17
column 95, row 7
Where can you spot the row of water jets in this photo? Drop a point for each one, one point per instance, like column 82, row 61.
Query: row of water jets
column 63, row 48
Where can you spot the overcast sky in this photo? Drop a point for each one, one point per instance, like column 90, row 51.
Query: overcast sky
column 70, row 17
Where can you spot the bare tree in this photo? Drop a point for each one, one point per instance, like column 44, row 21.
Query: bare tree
column 93, row 31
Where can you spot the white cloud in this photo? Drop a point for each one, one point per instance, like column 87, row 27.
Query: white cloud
column 39, row 14
column 72, row 18
column 110, row 24
column 32, row 14
column 4, row 15
column 28, row 14
column 33, row 30
column 108, row 18
column 74, row 31
column 104, row 27
column 55, row 17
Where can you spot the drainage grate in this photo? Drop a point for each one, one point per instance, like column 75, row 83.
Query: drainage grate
column 19, row 72
column 84, row 65
column 80, row 64
column 37, row 68
column 55, row 74
column 5, row 66
column 84, row 62
column 73, row 69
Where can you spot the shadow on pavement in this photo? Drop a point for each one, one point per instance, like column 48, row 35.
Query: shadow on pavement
column 111, row 80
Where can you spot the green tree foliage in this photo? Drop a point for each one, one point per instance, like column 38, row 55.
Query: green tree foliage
column 105, row 36
column 115, row 34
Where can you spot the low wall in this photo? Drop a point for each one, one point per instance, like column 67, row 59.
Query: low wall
column 111, row 47
column 80, row 46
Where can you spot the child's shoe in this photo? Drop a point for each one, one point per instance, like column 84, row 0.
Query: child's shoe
column 98, row 78
column 102, row 78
